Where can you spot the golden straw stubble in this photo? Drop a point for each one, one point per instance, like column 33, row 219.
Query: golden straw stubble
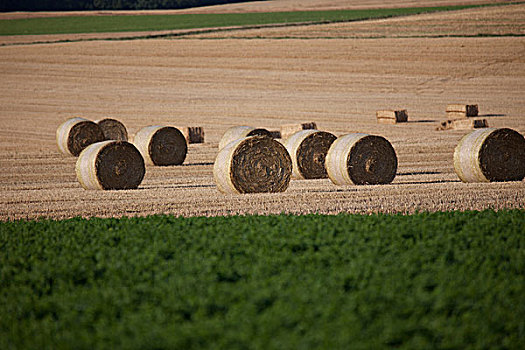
column 161, row 145
column 308, row 150
column 113, row 129
column 110, row 165
column 75, row 134
column 361, row 159
column 256, row 164
column 489, row 155
column 239, row 132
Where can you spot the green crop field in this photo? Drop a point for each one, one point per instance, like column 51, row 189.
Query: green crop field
column 452, row 280
column 97, row 24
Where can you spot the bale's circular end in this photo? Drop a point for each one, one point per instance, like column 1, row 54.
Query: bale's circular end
column 361, row 159
column 372, row 161
column 168, row 147
column 502, row 156
column 113, row 129
column 82, row 135
column 490, row 155
column 256, row 164
column 308, row 149
column 161, row 145
column 76, row 134
column 110, row 165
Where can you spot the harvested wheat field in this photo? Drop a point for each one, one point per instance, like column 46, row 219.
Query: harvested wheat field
column 328, row 74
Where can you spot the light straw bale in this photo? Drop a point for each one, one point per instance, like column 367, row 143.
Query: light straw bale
column 361, row 159
column 239, row 132
column 308, row 150
column 113, row 129
column 110, row 165
column 289, row 129
column 75, row 134
column 161, row 145
column 491, row 154
column 254, row 164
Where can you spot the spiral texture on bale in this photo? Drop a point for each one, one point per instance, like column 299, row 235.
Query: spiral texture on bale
column 361, row 159
column 110, row 165
column 161, row 145
column 113, row 129
column 308, row 150
column 239, row 132
column 254, row 164
column 489, row 155
column 76, row 134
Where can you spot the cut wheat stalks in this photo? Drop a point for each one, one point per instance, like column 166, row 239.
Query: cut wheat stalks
column 361, row 159
column 489, row 155
column 254, row 164
column 161, row 145
column 75, row 134
column 110, row 165
column 239, row 132
column 308, row 150
column 113, row 129
column 289, row 129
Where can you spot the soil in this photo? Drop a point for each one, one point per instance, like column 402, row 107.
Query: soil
column 339, row 83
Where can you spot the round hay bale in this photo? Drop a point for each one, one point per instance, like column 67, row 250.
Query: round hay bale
column 76, row 134
column 361, row 159
column 308, row 150
column 113, row 129
column 161, row 145
column 239, row 132
column 110, row 165
column 489, row 155
column 254, row 164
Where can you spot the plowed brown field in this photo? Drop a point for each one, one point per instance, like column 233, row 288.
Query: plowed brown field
column 218, row 83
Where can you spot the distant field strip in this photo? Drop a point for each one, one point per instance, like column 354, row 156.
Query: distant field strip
column 141, row 23
column 450, row 280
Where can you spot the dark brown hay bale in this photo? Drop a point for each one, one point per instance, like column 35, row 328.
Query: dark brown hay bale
column 110, row 165
column 75, row 134
column 361, row 159
column 161, row 145
column 276, row 134
column 308, row 150
column 253, row 164
column 113, row 129
column 489, row 155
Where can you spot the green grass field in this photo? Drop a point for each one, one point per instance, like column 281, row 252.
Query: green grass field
column 98, row 24
column 451, row 280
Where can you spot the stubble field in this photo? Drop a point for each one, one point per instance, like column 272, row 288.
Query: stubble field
column 265, row 78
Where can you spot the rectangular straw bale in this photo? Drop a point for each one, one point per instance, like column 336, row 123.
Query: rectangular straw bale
column 392, row 117
column 462, row 124
column 462, row 110
column 289, row 129
column 193, row 134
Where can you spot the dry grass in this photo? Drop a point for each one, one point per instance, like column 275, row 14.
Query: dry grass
column 339, row 83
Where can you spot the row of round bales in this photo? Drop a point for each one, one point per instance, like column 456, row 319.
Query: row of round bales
column 107, row 161
column 251, row 161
